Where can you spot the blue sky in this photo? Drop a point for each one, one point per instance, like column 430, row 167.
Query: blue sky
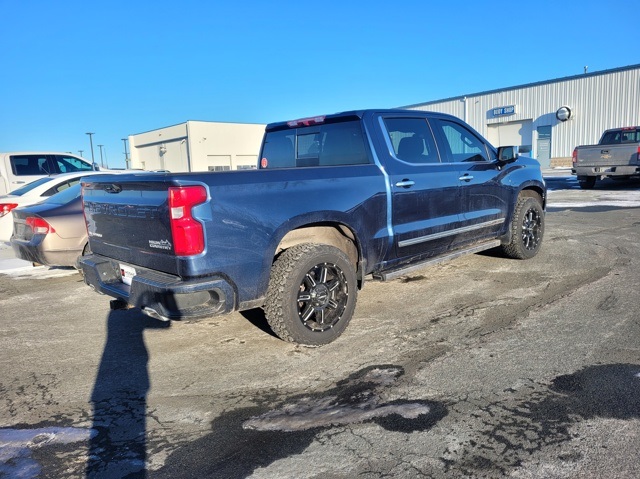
column 118, row 68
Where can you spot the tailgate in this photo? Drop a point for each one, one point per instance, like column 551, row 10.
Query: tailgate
column 608, row 155
column 128, row 220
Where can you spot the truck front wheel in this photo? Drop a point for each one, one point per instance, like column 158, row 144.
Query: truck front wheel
column 311, row 295
column 527, row 229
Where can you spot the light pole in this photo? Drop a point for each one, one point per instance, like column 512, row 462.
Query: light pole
column 93, row 161
column 126, row 155
column 101, row 160
column 81, row 152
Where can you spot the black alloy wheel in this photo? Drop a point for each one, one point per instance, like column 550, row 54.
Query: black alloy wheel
column 323, row 297
column 311, row 295
column 527, row 229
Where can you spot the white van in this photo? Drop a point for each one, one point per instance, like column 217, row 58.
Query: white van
column 21, row 167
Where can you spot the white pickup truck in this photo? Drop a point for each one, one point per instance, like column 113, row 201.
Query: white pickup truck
column 617, row 155
column 22, row 167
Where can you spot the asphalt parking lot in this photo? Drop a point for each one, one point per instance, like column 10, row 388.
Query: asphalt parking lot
column 480, row 367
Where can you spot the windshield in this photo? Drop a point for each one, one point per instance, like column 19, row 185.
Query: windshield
column 66, row 195
column 34, row 184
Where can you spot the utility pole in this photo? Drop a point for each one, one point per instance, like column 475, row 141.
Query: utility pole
column 93, row 161
column 101, row 160
column 126, row 155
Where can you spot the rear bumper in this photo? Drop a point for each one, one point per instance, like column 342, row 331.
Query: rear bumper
column 630, row 170
column 32, row 251
column 160, row 295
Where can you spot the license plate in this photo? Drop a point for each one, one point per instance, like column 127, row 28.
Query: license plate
column 603, row 170
column 127, row 273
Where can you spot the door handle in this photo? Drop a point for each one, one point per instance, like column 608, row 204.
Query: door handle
column 466, row 178
column 405, row 183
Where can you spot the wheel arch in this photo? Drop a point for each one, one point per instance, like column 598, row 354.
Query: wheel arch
column 534, row 191
column 334, row 233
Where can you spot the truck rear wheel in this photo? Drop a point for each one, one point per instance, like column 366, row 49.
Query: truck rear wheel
column 587, row 182
column 527, row 229
column 312, row 294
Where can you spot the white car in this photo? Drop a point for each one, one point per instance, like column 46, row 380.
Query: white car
column 35, row 192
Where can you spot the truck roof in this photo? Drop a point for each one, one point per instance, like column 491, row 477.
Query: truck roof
column 623, row 128
column 345, row 115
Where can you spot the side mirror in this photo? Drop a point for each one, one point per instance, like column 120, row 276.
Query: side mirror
column 507, row 154
column 96, row 167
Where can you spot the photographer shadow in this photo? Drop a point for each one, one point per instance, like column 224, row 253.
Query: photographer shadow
column 119, row 398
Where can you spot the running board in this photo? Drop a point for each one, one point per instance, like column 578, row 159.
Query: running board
column 396, row 273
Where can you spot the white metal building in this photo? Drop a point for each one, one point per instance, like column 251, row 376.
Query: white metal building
column 548, row 119
column 197, row 146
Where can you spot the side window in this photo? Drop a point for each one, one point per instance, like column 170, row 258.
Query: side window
column 412, row 140
column 61, row 187
column 459, row 142
column 29, row 165
column 611, row 138
column 342, row 144
column 70, row 164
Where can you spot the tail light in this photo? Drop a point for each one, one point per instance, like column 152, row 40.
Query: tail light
column 316, row 120
column 5, row 208
column 39, row 226
column 574, row 157
column 638, row 159
column 187, row 232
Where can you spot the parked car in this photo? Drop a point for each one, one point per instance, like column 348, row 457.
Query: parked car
column 35, row 192
column 52, row 233
column 20, row 168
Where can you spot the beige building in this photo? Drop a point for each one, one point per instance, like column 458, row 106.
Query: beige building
column 197, row 146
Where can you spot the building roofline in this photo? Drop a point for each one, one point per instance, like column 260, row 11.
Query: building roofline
column 198, row 121
column 526, row 85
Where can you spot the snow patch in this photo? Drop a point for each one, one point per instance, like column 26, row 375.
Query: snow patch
column 16, row 446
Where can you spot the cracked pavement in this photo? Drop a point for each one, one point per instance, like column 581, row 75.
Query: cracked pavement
column 480, row 367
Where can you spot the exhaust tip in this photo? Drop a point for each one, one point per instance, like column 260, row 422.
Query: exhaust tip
column 152, row 313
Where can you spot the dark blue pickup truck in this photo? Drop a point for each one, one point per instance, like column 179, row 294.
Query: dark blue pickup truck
column 335, row 199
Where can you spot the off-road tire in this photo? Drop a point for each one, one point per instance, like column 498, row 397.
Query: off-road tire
column 527, row 229
column 312, row 294
column 587, row 182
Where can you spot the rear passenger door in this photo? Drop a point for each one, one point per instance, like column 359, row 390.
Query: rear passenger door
column 484, row 196
column 425, row 198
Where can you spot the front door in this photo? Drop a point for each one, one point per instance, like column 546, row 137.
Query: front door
column 484, row 197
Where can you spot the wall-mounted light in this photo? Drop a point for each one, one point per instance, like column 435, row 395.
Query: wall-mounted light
column 163, row 149
column 564, row 113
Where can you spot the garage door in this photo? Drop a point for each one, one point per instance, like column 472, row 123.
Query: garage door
column 517, row 133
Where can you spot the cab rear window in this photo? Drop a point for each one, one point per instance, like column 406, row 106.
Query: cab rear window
column 626, row 135
column 329, row 144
